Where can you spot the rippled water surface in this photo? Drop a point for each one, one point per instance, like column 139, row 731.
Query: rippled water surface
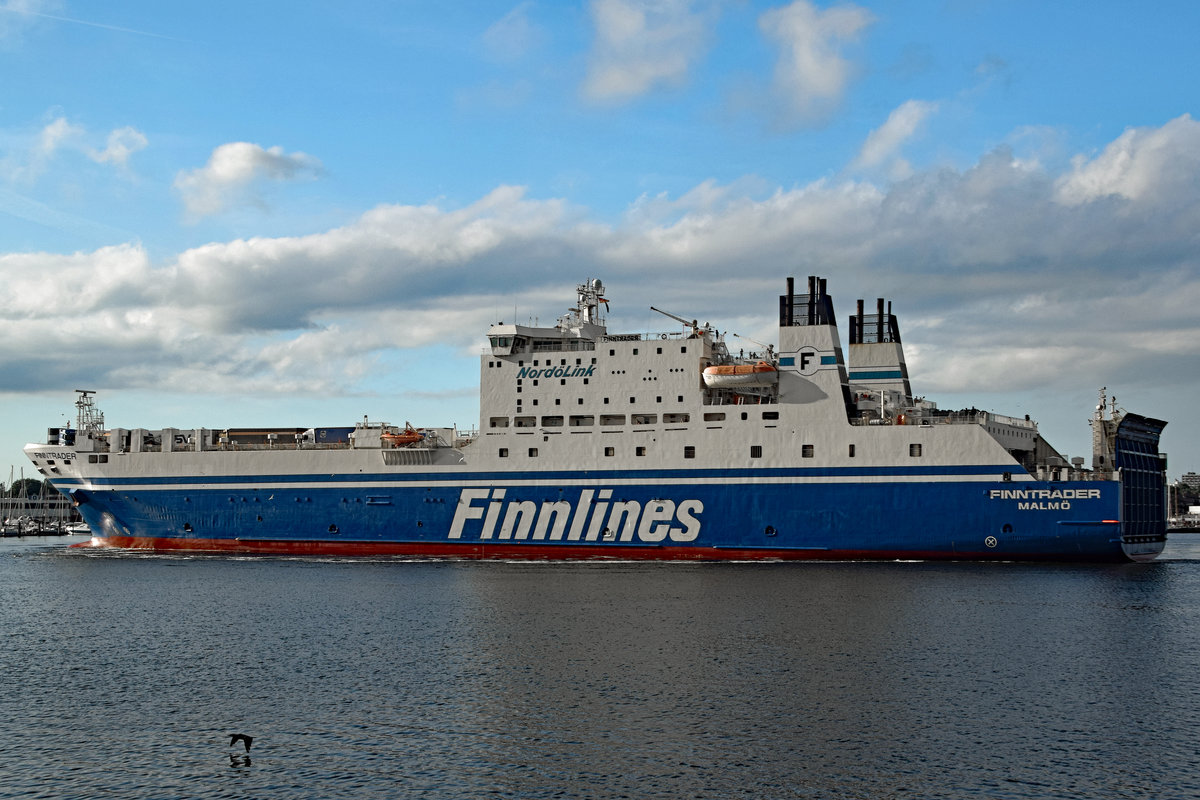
column 123, row 677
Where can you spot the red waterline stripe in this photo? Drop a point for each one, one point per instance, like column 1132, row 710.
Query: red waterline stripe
column 549, row 553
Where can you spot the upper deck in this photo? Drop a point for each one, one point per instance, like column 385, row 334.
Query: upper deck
column 678, row 392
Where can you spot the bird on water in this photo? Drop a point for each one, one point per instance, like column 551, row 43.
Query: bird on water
column 246, row 740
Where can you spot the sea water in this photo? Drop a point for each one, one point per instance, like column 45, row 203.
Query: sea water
column 124, row 677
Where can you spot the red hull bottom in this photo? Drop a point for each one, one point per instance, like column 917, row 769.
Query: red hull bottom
column 526, row 552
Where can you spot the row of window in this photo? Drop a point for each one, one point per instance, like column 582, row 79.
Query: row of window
column 689, row 451
column 617, row 419
column 562, row 362
column 579, row 401
column 657, row 350
column 587, row 420
column 561, row 382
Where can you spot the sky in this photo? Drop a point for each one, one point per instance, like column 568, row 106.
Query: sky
column 298, row 214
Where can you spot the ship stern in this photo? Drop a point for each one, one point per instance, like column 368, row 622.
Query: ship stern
column 1142, row 472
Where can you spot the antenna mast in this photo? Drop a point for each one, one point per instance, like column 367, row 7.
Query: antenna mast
column 88, row 417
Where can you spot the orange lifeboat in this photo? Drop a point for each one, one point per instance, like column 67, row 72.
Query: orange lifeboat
column 728, row 376
column 409, row 435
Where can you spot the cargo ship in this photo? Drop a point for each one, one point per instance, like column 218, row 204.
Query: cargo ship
column 663, row 445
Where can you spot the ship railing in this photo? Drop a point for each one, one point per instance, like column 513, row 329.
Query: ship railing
column 1016, row 422
column 744, row 396
column 912, row 419
column 547, row 345
column 957, row 418
column 280, row 446
column 1054, row 474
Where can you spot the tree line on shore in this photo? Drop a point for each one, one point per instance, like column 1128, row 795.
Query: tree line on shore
column 28, row 487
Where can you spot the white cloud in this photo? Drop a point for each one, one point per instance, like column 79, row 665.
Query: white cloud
column 997, row 282
column 59, row 139
column 122, row 143
column 28, row 161
column 55, row 135
column 46, row 285
column 232, row 170
column 17, row 15
column 513, row 35
column 1140, row 163
column 885, row 141
column 641, row 45
column 812, row 75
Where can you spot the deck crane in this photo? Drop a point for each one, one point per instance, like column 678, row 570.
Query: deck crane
column 694, row 324
column 769, row 348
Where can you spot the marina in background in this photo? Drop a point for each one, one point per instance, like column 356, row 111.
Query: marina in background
column 35, row 508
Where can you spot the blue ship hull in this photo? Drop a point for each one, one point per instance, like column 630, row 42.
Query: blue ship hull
column 692, row 514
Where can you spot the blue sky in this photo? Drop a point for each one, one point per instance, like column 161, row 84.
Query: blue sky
column 221, row 214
